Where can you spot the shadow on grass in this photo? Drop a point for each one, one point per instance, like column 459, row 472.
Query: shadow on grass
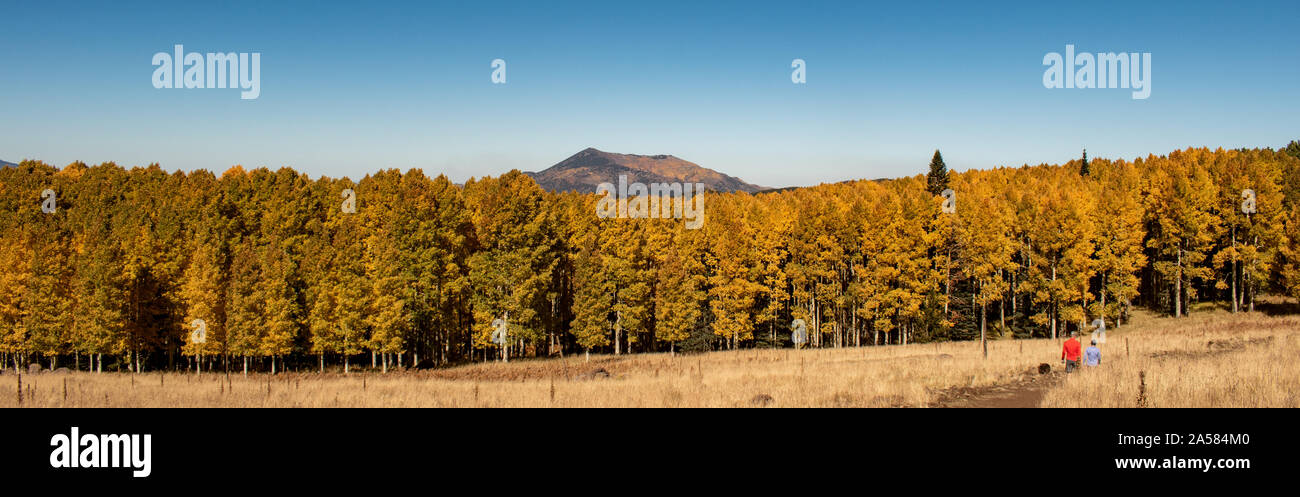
column 1277, row 308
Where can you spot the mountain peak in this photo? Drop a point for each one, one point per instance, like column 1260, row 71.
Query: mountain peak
column 584, row 170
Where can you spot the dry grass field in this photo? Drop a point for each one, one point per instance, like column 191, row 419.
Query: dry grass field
column 1212, row 359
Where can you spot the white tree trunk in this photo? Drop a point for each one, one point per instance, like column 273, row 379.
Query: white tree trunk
column 1178, row 287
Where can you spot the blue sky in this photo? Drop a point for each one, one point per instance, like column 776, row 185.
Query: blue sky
column 347, row 88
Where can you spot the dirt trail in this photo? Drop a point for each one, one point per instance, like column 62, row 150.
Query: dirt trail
column 1026, row 391
column 1029, row 389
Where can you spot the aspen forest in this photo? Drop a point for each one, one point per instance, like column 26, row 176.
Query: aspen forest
column 283, row 278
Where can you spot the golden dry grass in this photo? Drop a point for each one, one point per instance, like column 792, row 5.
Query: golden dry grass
column 1245, row 367
column 869, row 376
column 1208, row 360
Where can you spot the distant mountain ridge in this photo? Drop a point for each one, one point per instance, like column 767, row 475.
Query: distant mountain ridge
column 7, row 164
column 583, row 171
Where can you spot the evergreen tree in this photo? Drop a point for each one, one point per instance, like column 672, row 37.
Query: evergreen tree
column 937, row 178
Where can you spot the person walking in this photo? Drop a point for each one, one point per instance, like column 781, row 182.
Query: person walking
column 1092, row 355
column 1071, row 351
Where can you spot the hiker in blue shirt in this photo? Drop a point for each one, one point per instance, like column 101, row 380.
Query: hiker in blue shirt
column 1092, row 355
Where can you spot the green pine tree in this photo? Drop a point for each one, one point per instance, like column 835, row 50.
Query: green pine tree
column 937, row 179
column 1293, row 148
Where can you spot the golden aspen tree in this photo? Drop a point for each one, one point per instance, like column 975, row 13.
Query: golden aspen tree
column 733, row 292
column 511, row 269
column 387, row 313
column 201, row 290
column 278, row 323
column 593, row 288
column 627, row 255
column 946, row 246
column 47, row 311
column 203, row 295
column 1290, row 251
column 681, row 292
column 905, row 265
column 12, row 286
column 1078, row 259
column 338, row 311
column 442, row 283
column 1179, row 198
column 1050, row 219
column 18, row 206
column 98, row 284
column 1120, row 233
column 772, row 221
column 1249, row 181
column 872, row 269
column 816, row 257
column 987, row 244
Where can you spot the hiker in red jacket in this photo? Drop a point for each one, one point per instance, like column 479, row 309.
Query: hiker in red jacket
column 1070, row 352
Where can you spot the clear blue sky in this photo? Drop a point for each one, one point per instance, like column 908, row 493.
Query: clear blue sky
column 349, row 88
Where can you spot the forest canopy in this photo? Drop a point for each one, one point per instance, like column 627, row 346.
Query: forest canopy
column 281, row 276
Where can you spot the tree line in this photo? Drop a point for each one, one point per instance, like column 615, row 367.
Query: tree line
column 118, row 271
